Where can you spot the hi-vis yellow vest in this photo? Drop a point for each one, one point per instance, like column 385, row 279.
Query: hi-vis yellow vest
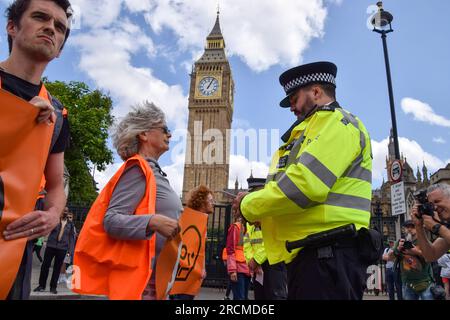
column 254, row 245
column 320, row 179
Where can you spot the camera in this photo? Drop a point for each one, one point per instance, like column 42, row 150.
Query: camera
column 408, row 245
column 425, row 207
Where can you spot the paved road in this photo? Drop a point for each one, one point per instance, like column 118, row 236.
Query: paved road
column 65, row 294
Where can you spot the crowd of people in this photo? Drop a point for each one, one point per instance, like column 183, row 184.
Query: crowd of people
column 417, row 268
column 301, row 234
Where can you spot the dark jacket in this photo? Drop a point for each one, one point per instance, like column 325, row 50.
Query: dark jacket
column 68, row 239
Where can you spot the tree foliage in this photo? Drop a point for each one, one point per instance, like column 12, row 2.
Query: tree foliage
column 89, row 118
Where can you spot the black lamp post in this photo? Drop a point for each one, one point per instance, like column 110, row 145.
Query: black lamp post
column 382, row 24
column 379, row 214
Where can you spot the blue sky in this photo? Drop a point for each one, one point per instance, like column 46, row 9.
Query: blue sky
column 138, row 50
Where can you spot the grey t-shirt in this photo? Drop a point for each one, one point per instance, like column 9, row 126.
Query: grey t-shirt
column 120, row 221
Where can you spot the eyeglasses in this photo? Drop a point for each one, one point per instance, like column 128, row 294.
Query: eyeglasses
column 164, row 129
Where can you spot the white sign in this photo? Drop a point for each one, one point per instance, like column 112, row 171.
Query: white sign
column 398, row 199
column 396, row 171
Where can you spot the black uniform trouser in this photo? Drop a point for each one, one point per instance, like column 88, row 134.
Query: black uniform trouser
column 275, row 281
column 50, row 253
column 331, row 273
column 258, row 289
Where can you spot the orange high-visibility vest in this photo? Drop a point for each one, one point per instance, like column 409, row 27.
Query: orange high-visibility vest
column 239, row 249
column 224, row 254
column 28, row 148
column 119, row 269
column 41, row 194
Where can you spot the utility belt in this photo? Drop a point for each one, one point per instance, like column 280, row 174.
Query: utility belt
column 368, row 242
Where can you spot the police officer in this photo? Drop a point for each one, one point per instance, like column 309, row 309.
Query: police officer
column 320, row 179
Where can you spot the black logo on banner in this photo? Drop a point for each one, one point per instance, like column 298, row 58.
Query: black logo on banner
column 189, row 256
column 2, row 198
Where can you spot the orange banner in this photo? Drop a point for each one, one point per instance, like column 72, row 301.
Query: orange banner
column 24, row 148
column 192, row 258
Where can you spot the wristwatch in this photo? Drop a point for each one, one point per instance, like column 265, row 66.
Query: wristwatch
column 435, row 229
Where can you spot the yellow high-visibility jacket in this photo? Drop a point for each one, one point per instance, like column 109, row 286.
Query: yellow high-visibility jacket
column 254, row 245
column 320, row 179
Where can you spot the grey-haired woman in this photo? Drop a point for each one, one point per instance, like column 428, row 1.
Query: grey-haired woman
column 118, row 248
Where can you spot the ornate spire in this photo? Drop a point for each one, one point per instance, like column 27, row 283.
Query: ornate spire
column 216, row 31
column 425, row 172
column 236, row 184
column 391, row 147
column 419, row 175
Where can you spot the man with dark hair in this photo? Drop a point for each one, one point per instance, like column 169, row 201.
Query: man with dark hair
column 16, row 10
column 319, row 185
column 37, row 31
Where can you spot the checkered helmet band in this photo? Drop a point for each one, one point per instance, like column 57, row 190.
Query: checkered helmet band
column 310, row 78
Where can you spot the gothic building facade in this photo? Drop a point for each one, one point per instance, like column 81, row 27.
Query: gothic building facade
column 211, row 104
column 382, row 217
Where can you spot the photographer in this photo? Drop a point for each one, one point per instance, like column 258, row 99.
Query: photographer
column 432, row 214
column 415, row 271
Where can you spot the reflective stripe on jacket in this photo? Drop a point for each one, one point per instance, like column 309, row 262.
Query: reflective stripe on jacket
column 119, row 269
column 254, row 245
column 319, row 180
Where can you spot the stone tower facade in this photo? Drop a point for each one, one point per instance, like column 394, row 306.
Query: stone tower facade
column 210, row 116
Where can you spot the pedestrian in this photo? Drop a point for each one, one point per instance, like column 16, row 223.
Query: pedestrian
column 237, row 268
column 37, row 31
column 68, row 260
column 320, row 180
column 38, row 247
column 228, row 288
column 393, row 280
column 415, row 271
column 133, row 216
column 201, row 202
column 60, row 244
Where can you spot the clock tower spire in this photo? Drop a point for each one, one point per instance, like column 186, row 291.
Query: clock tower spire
column 210, row 116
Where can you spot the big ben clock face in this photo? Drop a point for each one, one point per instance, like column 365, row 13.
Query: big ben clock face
column 208, row 86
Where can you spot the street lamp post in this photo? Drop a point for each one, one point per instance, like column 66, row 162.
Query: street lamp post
column 382, row 24
column 379, row 214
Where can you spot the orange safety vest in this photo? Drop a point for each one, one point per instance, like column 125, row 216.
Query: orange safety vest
column 119, row 269
column 224, row 254
column 41, row 194
column 24, row 144
column 44, row 95
column 239, row 249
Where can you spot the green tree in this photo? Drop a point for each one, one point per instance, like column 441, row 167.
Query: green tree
column 89, row 118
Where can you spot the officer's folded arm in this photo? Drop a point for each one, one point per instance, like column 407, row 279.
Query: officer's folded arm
column 303, row 185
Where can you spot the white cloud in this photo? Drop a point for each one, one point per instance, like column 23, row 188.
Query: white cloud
column 259, row 39
column 106, row 56
column 439, row 140
column 102, row 177
column 412, row 151
column 423, row 112
column 175, row 173
column 241, row 168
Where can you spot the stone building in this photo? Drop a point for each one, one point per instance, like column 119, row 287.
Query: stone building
column 381, row 198
column 211, row 103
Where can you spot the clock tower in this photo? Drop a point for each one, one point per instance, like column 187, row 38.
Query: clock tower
column 210, row 116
